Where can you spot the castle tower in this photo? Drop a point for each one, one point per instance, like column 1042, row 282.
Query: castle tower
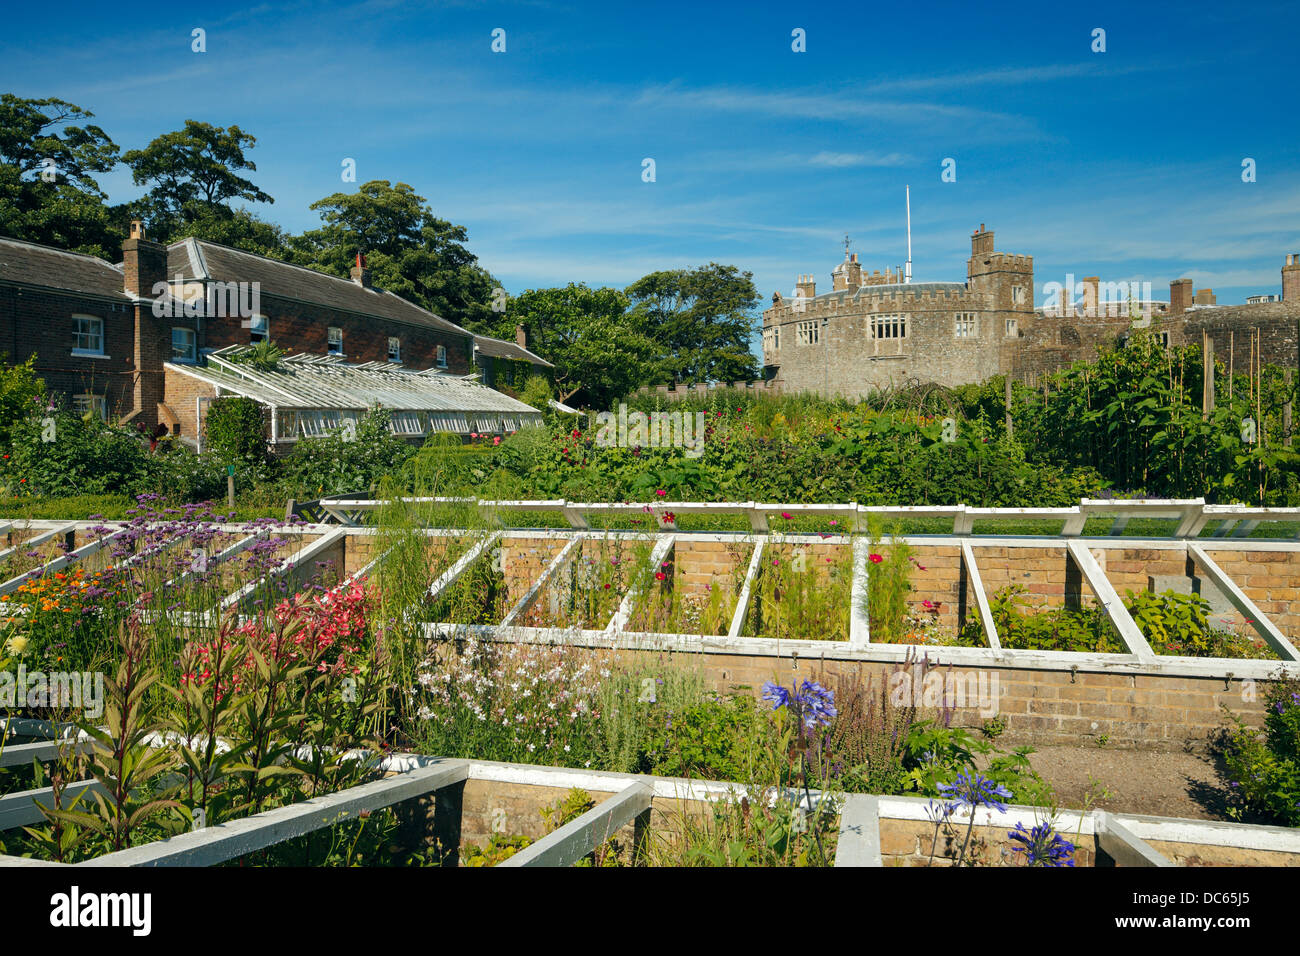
column 1007, row 278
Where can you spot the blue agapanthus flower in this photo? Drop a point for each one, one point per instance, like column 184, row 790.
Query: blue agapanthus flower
column 1042, row 846
column 972, row 790
column 813, row 703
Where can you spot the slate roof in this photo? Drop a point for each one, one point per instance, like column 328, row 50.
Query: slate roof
column 30, row 264
column 199, row 259
column 500, row 348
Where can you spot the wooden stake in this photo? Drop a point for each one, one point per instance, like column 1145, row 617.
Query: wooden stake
column 1007, row 380
column 1286, row 410
column 1207, row 388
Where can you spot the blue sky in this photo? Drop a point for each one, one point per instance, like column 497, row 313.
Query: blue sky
column 1124, row 164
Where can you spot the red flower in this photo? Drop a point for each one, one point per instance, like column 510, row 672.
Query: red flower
column 659, row 575
column 660, row 492
column 874, row 558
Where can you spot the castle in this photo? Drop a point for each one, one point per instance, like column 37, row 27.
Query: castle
column 877, row 331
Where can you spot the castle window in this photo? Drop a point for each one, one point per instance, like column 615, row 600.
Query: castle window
column 807, row 333
column 89, row 335
column 259, row 329
column 889, row 326
column 1013, row 327
column 335, row 341
column 1162, row 338
column 1017, row 295
column 965, row 327
column 184, row 345
column 442, row 356
column 394, row 349
column 772, row 338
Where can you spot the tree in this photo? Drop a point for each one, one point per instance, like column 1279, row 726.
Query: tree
column 193, row 173
column 241, row 229
column 701, row 320
column 408, row 250
column 48, row 190
column 587, row 335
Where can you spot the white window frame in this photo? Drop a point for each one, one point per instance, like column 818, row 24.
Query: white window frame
column 966, row 325
column 891, row 326
column 259, row 329
column 78, row 333
column 442, row 356
column 193, row 353
column 1013, row 328
column 394, row 349
column 1017, row 295
column 89, row 401
column 334, row 347
column 407, row 423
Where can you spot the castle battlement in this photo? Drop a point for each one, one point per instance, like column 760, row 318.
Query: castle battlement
column 892, row 300
column 1009, row 260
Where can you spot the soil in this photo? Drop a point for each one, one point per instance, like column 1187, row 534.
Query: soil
column 1138, row 781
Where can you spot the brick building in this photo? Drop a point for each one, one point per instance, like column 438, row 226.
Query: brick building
column 876, row 331
column 102, row 334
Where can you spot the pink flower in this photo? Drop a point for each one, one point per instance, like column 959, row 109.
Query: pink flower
column 785, row 515
column 660, row 492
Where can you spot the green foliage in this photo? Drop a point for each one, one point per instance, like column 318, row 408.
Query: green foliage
column 1050, row 629
column 538, row 393
column 701, row 321
column 344, row 462
column 192, row 173
column 409, row 251
column 1176, row 623
column 712, row 739
column 1265, row 769
column 598, row 350
column 82, row 455
column 233, row 428
column 20, row 389
column 43, row 136
column 264, row 356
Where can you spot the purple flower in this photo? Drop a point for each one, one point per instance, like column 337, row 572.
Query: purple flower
column 1042, row 846
column 811, row 702
column 972, row 791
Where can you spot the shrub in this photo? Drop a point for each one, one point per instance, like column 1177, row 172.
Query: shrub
column 19, row 389
column 56, row 452
column 344, row 462
column 234, row 429
column 1265, row 769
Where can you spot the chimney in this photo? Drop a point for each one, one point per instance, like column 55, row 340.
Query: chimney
column 1180, row 296
column 855, row 272
column 807, row 287
column 360, row 274
column 1291, row 278
column 1091, row 295
column 1204, row 297
column 144, row 263
column 981, row 242
column 521, row 337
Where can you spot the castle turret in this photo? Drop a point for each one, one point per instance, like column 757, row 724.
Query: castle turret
column 1007, row 278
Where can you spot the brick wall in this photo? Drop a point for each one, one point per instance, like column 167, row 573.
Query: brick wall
column 299, row 327
column 40, row 323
